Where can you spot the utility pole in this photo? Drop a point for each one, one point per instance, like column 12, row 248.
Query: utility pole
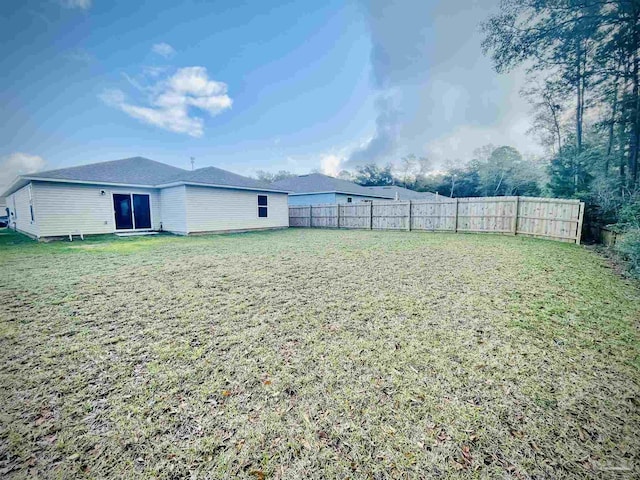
column 193, row 162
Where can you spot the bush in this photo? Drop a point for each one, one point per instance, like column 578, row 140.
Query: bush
column 629, row 248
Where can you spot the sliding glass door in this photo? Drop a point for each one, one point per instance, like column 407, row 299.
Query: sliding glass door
column 132, row 211
column 122, row 208
column 141, row 211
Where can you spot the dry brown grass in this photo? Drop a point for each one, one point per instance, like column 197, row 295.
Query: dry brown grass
column 317, row 354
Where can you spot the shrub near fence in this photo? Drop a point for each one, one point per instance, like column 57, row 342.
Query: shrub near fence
column 552, row 218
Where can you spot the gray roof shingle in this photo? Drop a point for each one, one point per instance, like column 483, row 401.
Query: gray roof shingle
column 317, row 182
column 144, row 172
column 133, row 171
column 217, row 176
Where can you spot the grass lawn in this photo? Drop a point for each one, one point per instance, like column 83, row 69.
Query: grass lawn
column 316, row 354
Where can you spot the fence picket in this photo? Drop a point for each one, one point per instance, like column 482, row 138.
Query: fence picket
column 552, row 218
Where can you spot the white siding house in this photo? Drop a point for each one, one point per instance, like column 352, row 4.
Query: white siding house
column 216, row 209
column 138, row 194
column 173, row 204
column 21, row 206
column 64, row 208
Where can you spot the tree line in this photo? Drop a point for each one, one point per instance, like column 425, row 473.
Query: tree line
column 582, row 62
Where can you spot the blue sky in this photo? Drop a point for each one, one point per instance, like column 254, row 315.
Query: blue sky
column 249, row 85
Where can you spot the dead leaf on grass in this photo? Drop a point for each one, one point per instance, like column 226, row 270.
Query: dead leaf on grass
column 259, row 474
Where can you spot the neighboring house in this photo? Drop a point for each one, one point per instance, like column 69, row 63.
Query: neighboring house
column 138, row 194
column 315, row 188
column 401, row 193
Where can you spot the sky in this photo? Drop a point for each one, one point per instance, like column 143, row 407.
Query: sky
column 249, row 86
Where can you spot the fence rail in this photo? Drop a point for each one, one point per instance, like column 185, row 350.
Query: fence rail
column 552, row 218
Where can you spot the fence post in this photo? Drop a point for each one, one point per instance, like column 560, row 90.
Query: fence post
column 338, row 215
column 409, row 216
column 310, row 216
column 580, row 217
column 514, row 227
column 371, row 215
column 456, row 226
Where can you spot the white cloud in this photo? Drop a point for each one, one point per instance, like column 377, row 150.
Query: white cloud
column 458, row 145
column 171, row 100
column 82, row 4
column 18, row 163
column 330, row 164
column 163, row 49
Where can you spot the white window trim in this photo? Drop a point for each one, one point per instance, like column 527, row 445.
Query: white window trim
column 259, row 206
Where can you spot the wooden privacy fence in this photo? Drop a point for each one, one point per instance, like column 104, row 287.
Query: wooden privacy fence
column 551, row 218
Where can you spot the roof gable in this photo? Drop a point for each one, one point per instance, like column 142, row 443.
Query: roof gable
column 317, row 182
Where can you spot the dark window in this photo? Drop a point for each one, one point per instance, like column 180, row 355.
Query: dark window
column 262, row 206
column 349, row 199
column 31, row 210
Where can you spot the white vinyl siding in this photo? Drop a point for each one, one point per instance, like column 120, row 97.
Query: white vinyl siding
column 221, row 209
column 65, row 208
column 173, row 205
column 19, row 203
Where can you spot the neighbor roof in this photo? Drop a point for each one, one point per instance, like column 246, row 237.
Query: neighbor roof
column 319, row 183
column 142, row 172
column 405, row 193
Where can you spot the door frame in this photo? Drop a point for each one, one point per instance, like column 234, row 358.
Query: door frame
column 133, row 213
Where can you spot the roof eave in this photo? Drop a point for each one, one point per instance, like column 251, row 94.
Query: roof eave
column 19, row 182
column 27, row 179
column 211, row 185
column 87, row 182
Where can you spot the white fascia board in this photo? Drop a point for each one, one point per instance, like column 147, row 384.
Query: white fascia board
column 211, row 185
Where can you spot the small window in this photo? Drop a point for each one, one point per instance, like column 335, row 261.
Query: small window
column 349, row 199
column 262, row 206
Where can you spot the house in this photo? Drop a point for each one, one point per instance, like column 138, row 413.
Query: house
column 315, row 188
column 401, row 193
column 138, row 194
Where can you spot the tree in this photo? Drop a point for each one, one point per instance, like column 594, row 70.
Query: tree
column 373, row 175
column 591, row 50
column 407, row 166
column 569, row 172
column 345, row 175
column 269, row 177
column 546, row 99
column 506, row 172
column 550, row 35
